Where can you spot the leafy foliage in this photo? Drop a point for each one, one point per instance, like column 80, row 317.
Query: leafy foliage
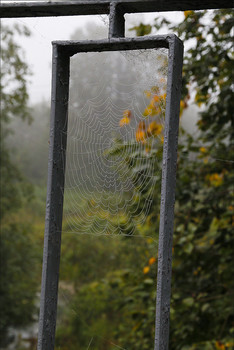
column 13, row 75
column 18, row 284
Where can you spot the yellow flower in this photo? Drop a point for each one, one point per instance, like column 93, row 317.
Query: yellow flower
column 229, row 344
column 156, row 98
column 152, row 261
column 127, row 113
column 219, row 345
column 147, row 93
column 140, row 136
column 187, row 13
column 154, row 129
column 126, row 118
column 163, row 97
column 203, row 150
column 147, row 111
column 148, row 149
column 215, row 179
column 124, row 121
column 183, row 105
column 146, row 269
column 141, row 125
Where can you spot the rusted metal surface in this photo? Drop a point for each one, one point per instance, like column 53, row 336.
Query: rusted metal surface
column 54, row 204
column 72, row 8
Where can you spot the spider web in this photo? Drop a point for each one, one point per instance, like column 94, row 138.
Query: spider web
column 110, row 179
column 100, row 189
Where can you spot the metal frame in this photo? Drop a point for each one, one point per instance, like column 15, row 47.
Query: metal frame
column 92, row 7
column 62, row 51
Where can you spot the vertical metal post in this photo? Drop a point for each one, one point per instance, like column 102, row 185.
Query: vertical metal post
column 116, row 21
column 54, row 204
column 168, row 193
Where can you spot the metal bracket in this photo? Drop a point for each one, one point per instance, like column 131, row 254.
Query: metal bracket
column 116, row 21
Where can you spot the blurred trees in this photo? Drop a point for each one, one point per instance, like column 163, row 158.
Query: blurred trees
column 18, row 284
column 30, row 144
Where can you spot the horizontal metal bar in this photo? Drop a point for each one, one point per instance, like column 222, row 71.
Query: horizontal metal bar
column 50, row 9
column 113, row 44
column 73, row 8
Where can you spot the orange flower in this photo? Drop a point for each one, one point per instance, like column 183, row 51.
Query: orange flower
column 219, row 345
column 124, row 121
column 140, row 136
column 146, row 269
column 141, row 125
column 140, row 133
column 127, row 113
column 156, row 98
column 215, row 179
column 187, row 13
column 163, row 97
column 147, row 149
column 154, row 129
column 183, row 105
column 147, row 93
column 147, row 111
column 203, row 150
column 152, row 261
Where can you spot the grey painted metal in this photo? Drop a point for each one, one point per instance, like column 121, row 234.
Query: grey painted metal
column 72, row 47
column 168, row 193
column 54, row 204
column 63, row 50
column 116, row 21
column 72, row 8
